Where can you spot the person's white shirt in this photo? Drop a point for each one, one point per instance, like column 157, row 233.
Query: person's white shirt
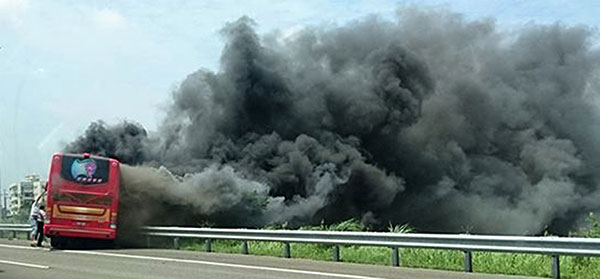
column 34, row 211
column 41, row 215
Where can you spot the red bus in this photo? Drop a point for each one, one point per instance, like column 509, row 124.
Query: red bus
column 82, row 198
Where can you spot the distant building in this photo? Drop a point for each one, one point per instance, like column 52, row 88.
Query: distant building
column 39, row 186
column 24, row 193
column 14, row 198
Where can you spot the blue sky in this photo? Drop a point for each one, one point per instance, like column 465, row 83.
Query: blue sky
column 66, row 63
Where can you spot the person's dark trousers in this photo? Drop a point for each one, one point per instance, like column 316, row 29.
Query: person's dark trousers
column 39, row 234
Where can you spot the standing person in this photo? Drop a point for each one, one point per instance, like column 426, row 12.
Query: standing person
column 41, row 216
column 32, row 216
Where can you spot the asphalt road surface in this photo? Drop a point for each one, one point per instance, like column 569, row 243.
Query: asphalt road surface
column 18, row 260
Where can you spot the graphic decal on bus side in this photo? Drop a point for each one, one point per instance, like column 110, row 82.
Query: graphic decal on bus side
column 84, row 170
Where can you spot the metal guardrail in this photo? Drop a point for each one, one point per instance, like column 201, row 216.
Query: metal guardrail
column 553, row 246
column 16, row 228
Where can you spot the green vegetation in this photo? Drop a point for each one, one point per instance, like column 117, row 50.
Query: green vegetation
column 483, row 262
column 593, row 230
column 22, row 217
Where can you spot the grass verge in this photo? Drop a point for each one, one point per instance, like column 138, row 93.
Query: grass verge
column 483, row 262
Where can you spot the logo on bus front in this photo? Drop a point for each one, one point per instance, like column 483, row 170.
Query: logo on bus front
column 84, row 170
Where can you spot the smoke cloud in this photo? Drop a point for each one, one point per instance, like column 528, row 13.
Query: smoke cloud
column 447, row 124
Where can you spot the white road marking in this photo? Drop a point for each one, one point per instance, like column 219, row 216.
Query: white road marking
column 17, row 247
column 24, row 264
column 223, row 264
column 24, row 247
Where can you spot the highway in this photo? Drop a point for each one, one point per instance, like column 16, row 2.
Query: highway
column 18, row 260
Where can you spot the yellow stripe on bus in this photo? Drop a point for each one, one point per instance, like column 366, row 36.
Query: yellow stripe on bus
column 81, row 209
column 57, row 213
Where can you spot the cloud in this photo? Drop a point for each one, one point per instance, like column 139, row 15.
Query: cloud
column 108, row 19
column 12, row 10
column 12, row 5
column 292, row 31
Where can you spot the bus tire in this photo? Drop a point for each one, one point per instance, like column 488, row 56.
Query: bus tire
column 57, row 242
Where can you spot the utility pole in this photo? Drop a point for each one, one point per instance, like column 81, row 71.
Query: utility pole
column 3, row 208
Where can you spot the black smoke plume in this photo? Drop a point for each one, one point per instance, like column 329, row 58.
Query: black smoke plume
column 447, row 124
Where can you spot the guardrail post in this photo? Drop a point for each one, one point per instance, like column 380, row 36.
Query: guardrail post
column 468, row 261
column 147, row 241
column 176, row 243
column 286, row 250
column 208, row 246
column 395, row 257
column 245, row 247
column 336, row 253
column 555, row 267
column 15, row 234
